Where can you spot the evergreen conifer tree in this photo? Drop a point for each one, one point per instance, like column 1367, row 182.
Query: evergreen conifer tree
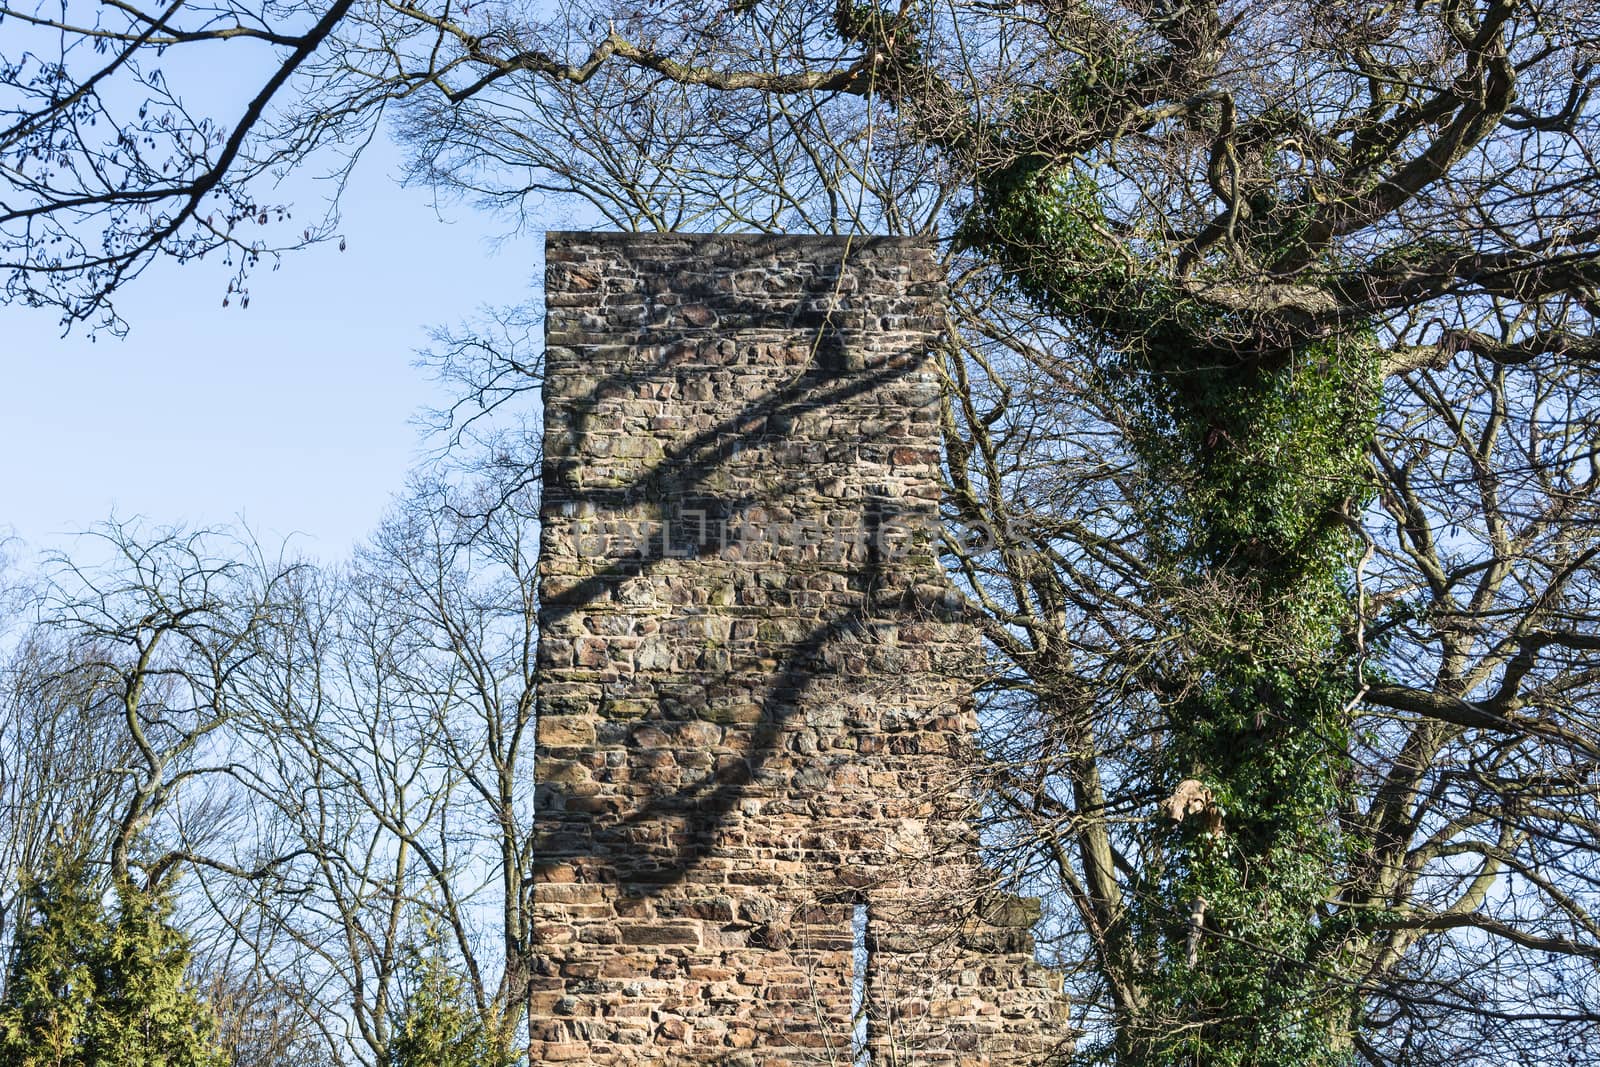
column 437, row 1024
column 96, row 987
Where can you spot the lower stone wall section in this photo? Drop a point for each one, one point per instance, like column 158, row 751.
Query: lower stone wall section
column 754, row 690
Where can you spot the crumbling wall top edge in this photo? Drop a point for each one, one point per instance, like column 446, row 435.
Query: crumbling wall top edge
column 646, row 237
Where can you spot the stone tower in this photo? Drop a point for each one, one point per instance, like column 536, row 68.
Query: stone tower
column 754, row 844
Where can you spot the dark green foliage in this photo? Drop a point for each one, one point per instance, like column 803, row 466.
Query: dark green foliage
column 438, row 1026
column 90, row 987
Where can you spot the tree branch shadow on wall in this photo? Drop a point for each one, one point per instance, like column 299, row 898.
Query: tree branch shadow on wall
column 686, row 817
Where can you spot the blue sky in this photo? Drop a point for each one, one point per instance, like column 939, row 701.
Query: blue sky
column 295, row 415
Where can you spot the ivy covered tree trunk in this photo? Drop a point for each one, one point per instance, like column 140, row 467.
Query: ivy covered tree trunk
column 1253, row 442
column 1265, row 453
column 92, row 987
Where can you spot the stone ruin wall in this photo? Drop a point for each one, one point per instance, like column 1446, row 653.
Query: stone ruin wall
column 752, row 709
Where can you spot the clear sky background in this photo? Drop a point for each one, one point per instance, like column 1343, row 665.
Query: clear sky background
column 295, row 415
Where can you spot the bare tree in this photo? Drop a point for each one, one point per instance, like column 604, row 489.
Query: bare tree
column 392, row 726
column 156, row 636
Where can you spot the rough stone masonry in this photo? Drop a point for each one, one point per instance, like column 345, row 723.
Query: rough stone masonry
column 754, row 843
